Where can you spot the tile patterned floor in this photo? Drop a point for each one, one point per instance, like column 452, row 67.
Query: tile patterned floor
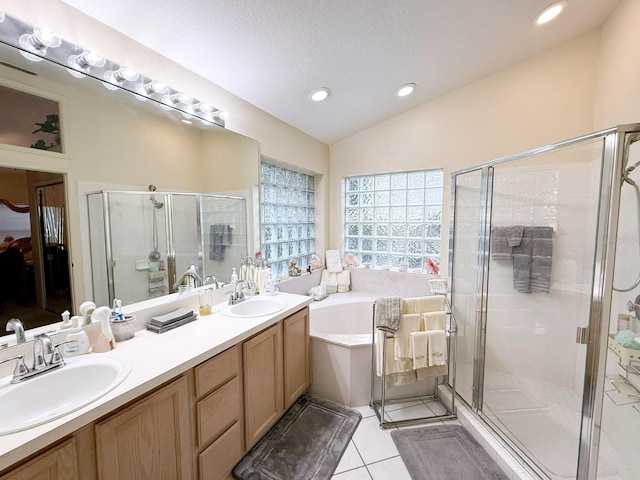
column 371, row 454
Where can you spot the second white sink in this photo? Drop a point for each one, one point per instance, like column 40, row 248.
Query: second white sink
column 254, row 307
column 56, row 393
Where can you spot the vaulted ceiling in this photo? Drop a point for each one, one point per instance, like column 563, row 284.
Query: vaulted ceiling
column 273, row 53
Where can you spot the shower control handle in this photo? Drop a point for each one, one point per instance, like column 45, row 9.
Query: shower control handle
column 582, row 335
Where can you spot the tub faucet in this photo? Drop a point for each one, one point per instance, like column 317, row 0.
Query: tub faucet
column 211, row 280
column 189, row 277
column 15, row 325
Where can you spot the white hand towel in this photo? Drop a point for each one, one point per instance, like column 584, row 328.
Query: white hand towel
column 409, row 323
column 437, row 347
column 333, row 260
column 344, row 281
column 420, row 349
column 392, row 366
column 432, row 303
column 434, row 320
column 330, row 279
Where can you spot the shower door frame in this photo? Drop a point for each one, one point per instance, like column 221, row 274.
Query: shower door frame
column 612, row 164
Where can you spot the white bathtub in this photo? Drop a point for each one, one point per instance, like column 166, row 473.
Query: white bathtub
column 341, row 328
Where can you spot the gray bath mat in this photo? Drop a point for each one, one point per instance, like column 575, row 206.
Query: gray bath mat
column 306, row 443
column 447, row 451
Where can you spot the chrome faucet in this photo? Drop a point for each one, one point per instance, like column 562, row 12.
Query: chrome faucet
column 15, row 325
column 237, row 296
column 189, row 277
column 42, row 346
column 211, row 280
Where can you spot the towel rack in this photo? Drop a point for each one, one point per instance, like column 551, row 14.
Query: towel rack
column 438, row 287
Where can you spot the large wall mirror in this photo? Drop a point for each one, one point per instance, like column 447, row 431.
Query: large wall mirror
column 34, row 265
column 111, row 140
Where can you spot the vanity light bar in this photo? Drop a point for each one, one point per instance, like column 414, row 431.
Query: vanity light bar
column 38, row 42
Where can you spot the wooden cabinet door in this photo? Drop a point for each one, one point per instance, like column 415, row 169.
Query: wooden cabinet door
column 57, row 463
column 263, row 390
column 150, row 440
column 296, row 356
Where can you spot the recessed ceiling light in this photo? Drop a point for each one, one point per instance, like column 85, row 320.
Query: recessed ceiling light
column 319, row 94
column 550, row 12
column 406, row 89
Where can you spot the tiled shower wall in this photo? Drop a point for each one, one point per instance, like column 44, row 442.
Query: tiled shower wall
column 531, row 335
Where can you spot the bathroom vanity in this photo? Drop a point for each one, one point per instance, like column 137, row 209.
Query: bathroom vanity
column 196, row 400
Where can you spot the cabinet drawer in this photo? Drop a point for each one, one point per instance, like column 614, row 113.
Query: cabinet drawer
column 216, row 371
column 218, row 411
column 217, row 460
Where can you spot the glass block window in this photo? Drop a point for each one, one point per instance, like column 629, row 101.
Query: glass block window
column 287, row 217
column 392, row 218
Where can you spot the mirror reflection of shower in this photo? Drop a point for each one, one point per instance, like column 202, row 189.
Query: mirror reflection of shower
column 154, row 255
column 626, row 179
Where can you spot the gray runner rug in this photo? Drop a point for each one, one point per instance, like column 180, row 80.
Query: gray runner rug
column 306, row 443
column 443, row 452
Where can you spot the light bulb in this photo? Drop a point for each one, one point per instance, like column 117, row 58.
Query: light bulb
column 86, row 60
column 81, row 64
column 550, row 12
column 174, row 99
column 155, row 86
column 126, row 73
column 319, row 94
column 406, row 89
column 203, row 108
column 43, row 37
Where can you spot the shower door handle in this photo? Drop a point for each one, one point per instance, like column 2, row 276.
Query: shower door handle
column 582, row 335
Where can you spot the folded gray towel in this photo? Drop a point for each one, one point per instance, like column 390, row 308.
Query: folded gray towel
column 542, row 260
column 388, row 311
column 532, row 261
column 542, row 247
column 541, row 275
column 514, row 235
column 522, row 272
column 171, row 317
column 500, row 249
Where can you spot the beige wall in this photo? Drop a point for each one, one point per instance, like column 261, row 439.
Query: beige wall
column 545, row 99
column 618, row 93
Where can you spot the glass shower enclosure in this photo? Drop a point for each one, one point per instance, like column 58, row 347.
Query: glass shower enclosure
column 141, row 242
column 532, row 246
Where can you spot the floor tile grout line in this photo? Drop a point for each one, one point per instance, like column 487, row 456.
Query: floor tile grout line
column 383, row 460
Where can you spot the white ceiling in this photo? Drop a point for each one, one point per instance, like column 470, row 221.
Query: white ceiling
column 272, row 53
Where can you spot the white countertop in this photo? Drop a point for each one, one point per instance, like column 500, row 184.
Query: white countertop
column 155, row 359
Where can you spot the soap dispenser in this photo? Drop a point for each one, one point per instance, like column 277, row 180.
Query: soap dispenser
column 79, row 341
column 234, row 276
column 66, row 322
column 269, row 285
column 105, row 340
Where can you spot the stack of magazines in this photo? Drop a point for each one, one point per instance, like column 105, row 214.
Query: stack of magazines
column 169, row 321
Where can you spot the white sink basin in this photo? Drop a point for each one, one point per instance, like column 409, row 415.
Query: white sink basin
column 58, row 392
column 254, row 307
